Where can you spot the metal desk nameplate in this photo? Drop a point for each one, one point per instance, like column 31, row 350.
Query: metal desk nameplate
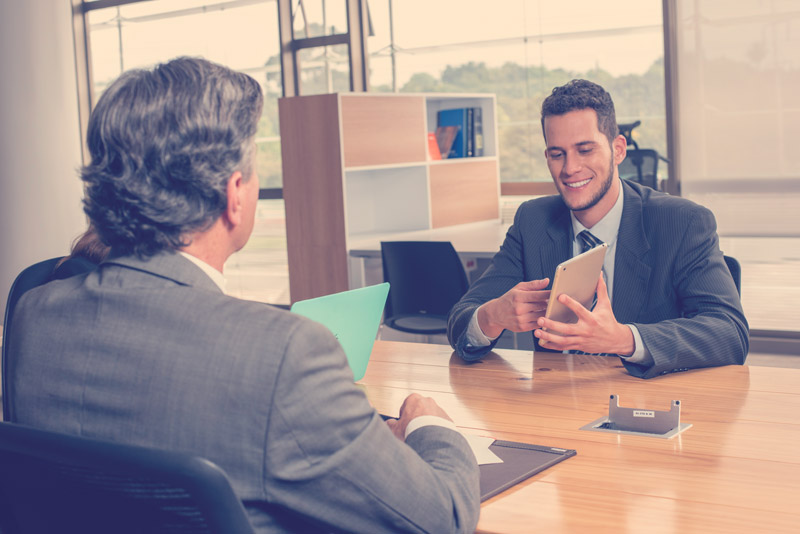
column 638, row 422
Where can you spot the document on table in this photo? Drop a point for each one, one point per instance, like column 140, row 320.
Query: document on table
column 480, row 448
column 506, row 463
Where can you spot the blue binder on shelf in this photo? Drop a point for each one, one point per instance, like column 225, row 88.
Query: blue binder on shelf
column 469, row 139
column 477, row 131
column 458, row 117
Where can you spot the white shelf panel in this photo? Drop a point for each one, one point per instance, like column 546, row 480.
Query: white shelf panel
column 390, row 199
column 452, row 161
column 387, row 167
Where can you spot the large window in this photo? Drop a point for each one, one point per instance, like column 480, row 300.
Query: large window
column 520, row 50
column 243, row 35
column 734, row 81
column 240, row 34
column 737, row 118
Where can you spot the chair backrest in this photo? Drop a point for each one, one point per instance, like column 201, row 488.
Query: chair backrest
column 641, row 166
column 736, row 272
column 426, row 277
column 53, row 482
column 30, row 277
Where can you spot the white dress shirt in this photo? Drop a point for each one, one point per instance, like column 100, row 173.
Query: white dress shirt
column 216, row 276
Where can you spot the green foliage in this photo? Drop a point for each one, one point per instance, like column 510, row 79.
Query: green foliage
column 520, row 91
column 268, row 164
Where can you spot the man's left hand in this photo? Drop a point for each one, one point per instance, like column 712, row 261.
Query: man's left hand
column 596, row 331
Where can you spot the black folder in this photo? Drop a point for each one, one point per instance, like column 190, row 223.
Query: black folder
column 520, row 461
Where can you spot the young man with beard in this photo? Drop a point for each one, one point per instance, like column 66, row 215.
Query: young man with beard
column 668, row 302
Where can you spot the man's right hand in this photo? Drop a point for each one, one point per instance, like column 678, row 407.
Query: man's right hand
column 414, row 406
column 518, row 310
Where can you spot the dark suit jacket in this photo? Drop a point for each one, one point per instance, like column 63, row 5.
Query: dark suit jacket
column 670, row 279
column 152, row 353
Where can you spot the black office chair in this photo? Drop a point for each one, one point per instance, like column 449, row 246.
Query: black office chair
column 53, row 482
column 30, row 277
column 641, row 166
column 736, row 272
column 427, row 278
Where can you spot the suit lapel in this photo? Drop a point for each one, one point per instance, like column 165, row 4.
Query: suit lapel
column 631, row 272
column 558, row 247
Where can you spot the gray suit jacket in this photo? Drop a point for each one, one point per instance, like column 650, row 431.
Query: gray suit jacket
column 152, row 353
column 670, row 279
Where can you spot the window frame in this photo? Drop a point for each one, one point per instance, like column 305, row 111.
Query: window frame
column 354, row 38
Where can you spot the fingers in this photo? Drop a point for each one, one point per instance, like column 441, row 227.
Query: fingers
column 575, row 306
column 554, row 341
column 533, row 285
column 525, row 322
column 525, row 296
column 602, row 290
column 396, row 428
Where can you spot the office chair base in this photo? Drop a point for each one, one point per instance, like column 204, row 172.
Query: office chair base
column 418, row 324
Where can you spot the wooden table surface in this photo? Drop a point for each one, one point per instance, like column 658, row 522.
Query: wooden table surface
column 737, row 469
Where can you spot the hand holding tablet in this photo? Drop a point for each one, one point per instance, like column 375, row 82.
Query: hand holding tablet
column 577, row 278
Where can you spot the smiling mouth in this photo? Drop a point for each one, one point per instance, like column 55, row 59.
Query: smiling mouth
column 576, row 185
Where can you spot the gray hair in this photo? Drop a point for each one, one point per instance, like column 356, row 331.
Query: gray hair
column 163, row 144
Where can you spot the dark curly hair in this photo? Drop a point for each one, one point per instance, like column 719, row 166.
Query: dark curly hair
column 583, row 94
column 163, row 144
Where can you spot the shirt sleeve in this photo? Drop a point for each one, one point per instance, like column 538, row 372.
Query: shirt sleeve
column 428, row 420
column 475, row 336
column 640, row 353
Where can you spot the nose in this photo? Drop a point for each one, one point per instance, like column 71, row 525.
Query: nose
column 572, row 165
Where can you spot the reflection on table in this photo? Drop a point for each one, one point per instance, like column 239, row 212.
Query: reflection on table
column 736, row 470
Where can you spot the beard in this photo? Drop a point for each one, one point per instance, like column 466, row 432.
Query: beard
column 604, row 187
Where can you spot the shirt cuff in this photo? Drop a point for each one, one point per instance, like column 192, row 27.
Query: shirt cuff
column 428, row 420
column 640, row 353
column 475, row 336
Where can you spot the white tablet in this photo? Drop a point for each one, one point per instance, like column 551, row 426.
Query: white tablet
column 577, row 277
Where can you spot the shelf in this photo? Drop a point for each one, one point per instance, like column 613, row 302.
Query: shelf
column 387, row 200
column 369, row 168
column 456, row 161
column 382, row 130
column 358, row 164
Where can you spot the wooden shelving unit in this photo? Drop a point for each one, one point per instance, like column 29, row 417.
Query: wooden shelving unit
column 357, row 164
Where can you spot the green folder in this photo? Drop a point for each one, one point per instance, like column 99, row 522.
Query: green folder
column 353, row 317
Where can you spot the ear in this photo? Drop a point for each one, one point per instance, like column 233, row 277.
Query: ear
column 620, row 148
column 235, row 191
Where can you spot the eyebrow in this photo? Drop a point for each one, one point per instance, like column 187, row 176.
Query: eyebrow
column 580, row 144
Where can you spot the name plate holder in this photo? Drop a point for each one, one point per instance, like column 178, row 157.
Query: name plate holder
column 637, row 422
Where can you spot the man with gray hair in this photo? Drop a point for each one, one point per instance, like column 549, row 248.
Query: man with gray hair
column 148, row 350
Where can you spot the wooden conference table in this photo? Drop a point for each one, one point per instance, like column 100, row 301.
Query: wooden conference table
column 737, row 469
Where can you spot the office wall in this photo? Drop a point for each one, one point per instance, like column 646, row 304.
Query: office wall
column 40, row 193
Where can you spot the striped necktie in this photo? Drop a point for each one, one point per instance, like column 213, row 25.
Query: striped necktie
column 588, row 240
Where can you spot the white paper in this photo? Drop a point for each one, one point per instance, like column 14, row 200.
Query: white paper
column 480, row 448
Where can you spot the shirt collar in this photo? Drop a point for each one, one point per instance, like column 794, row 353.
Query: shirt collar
column 212, row 273
column 606, row 228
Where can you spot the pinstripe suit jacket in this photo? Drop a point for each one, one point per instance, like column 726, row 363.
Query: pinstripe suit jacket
column 670, row 279
column 152, row 353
